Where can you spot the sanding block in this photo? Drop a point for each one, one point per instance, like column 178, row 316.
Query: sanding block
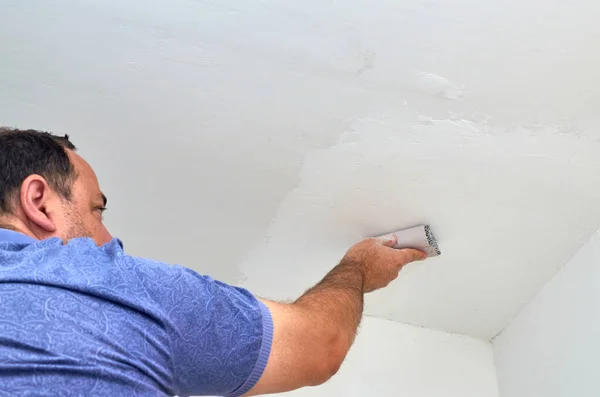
column 418, row 237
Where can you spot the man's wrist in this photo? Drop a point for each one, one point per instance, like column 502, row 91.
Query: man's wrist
column 356, row 269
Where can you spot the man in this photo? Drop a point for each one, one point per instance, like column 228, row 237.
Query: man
column 80, row 317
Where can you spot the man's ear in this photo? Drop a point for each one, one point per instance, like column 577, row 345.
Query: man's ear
column 36, row 199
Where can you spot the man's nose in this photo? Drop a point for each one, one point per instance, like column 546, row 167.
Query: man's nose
column 105, row 236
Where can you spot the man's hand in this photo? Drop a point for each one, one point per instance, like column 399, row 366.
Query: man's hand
column 379, row 262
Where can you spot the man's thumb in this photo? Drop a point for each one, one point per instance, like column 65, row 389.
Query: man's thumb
column 389, row 240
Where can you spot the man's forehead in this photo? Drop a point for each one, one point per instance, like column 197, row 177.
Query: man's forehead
column 85, row 172
column 83, row 168
column 80, row 164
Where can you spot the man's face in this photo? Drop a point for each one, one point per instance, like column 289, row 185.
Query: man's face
column 82, row 215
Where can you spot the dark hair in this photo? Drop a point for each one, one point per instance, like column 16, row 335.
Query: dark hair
column 28, row 152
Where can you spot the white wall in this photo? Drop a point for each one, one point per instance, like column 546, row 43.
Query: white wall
column 552, row 348
column 393, row 359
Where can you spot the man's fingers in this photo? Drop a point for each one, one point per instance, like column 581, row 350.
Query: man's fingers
column 389, row 240
column 407, row 255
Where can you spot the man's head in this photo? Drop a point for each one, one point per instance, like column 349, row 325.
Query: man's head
column 48, row 190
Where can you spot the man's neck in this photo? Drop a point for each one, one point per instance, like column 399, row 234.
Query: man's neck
column 8, row 226
column 14, row 224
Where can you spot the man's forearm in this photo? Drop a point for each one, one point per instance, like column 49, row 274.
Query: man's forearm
column 313, row 335
column 337, row 301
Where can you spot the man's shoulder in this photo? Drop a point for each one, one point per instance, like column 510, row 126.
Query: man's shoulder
column 105, row 272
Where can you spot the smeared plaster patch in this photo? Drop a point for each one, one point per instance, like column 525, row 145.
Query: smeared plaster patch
column 484, row 189
column 368, row 61
column 438, row 85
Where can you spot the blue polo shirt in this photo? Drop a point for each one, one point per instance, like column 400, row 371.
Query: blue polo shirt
column 81, row 320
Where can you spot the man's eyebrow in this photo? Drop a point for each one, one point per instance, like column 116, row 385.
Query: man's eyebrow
column 104, row 199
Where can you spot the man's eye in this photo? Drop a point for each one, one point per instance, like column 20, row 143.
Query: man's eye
column 101, row 211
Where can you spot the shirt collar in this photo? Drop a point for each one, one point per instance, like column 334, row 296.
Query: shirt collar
column 8, row 236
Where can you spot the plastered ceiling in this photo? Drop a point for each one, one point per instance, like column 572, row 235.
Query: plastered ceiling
column 256, row 141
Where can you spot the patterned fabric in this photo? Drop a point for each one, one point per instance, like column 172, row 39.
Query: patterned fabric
column 79, row 320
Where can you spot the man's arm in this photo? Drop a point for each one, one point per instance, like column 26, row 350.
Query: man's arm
column 313, row 335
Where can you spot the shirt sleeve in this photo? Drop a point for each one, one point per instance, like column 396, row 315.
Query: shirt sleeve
column 220, row 336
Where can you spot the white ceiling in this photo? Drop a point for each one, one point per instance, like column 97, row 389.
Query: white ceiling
column 255, row 141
